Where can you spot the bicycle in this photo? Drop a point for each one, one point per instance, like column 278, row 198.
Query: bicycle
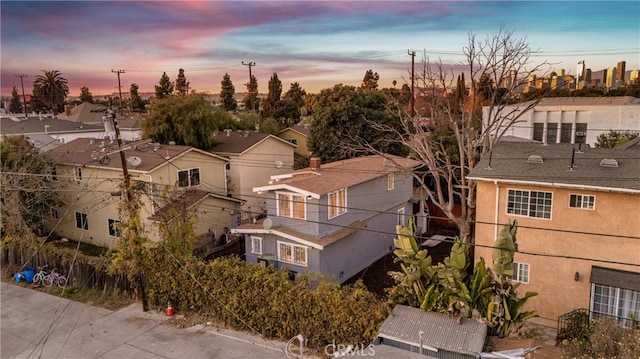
column 38, row 278
column 54, row 277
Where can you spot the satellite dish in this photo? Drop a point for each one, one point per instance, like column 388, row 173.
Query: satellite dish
column 278, row 164
column 134, row 161
column 267, row 223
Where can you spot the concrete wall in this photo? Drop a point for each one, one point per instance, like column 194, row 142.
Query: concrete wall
column 564, row 234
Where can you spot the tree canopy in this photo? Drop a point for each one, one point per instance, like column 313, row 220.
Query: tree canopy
column 165, row 87
column 136, row 101
column 51, row 88
column 15, row 106
column 228, row 94
column 370, row 80
column 251, row 101
column 272, row 102
column 85, row 95
column 182, row 85
column 187, row 120
column 341, row 125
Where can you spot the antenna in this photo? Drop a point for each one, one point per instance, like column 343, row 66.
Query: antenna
column 278, row 164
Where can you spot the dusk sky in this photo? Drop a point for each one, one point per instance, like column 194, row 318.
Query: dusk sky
column 315, row 43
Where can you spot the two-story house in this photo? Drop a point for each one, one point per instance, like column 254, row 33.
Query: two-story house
column 252, row 159
column 335, row 218
column 297, row 135
column 569, row 119
column 578, row 213
column 90, row 173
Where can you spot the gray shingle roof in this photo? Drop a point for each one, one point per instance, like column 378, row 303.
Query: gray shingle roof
column 20, row 126
column 234, row 142
column 509, row 163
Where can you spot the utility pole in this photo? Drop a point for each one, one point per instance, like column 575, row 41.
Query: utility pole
column 130, row 206
column 250, row 64
column 413, row 99
column 24, row 98
column 119, row 90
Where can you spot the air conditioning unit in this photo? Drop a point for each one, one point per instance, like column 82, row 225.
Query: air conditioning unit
column 580, row 133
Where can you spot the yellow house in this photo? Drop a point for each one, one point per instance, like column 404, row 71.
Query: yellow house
column 298, row 136
column 578, row 213
column 90, row 173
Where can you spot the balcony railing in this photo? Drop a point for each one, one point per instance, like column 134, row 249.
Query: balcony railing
column 574, row 323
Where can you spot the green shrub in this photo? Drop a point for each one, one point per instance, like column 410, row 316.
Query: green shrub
column 604, row 339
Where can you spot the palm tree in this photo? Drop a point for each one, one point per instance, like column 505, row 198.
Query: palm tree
column 51, row 88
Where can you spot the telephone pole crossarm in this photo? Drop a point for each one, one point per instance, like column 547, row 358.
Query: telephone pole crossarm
column 249, row 87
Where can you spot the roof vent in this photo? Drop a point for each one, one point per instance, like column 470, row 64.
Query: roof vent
column 535, row 159
column 609, row 162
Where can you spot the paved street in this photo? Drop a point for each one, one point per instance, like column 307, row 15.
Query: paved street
column 38, row 325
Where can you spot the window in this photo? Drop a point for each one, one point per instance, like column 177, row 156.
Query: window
column 521, row 272
column 529, row 203
column 256, row 245
column 582, row 201
column 54, row 173
column 292, row 140
column 565, row 132
column 188, row 178
column 54, row 213
column 291, row 253
column 581, row 133
column 619, row 302
column 81, row 221
column 552, row 132
column 390, row 181
column 78, row 174
column 291, row 205
column 401, row 217
column 538, row 131
column 337, row 203
column 114, row 227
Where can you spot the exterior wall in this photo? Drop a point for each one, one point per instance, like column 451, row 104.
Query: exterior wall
column 301, row 141
column 254, row 168
column 553, row 275
column 93, row 196
column 599, row 119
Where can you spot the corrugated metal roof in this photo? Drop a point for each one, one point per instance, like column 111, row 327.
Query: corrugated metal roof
column 439, row 330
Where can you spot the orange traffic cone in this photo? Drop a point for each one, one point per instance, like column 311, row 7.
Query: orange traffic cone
column 169, row 311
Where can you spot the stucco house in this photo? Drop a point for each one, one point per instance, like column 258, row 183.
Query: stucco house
column 578, row 213
column 252, row 159
column 571, row 119
column 335, row 218
column 89, row 173
column 297, row 135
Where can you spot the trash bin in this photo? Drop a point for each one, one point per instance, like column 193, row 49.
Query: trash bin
column 28, row 274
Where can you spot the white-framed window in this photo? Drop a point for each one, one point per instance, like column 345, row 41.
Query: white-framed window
column 529, row 203
column 291, row 253
column 78, row 174
column 337, row 202
column 391, row 184
column 82, row 221
column 54, row 213
column 401, row 217
column 582, row 201
column 114, row 227
column 521, row 272
column 188, row 178
column 292, row 205
column 256, row 245
column 612, row 301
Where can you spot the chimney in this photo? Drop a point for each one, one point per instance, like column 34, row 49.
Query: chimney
column 314, row 163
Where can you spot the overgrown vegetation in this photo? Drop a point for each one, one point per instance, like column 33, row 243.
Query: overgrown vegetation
column 446, row 287
column 604, row 338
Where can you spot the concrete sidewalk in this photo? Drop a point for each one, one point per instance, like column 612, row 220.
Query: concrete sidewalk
column 38, row 325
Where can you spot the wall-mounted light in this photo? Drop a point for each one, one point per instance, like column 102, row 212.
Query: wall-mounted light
column 576, row 276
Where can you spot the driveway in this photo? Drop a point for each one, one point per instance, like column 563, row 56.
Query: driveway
column 38, row 325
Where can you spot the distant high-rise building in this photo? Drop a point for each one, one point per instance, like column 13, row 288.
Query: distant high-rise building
column 635, row 76
column 587, row 76
column 610, row 80
column 620, row 71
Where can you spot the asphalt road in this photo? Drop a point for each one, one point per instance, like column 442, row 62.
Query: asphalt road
column 38, row 325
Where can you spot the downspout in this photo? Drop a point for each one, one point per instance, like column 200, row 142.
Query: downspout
column 495, row 220
column 153, row 211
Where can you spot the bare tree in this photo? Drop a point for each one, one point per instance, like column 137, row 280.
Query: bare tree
column 450, row 132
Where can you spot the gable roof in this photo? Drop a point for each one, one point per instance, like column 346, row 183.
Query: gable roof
column 85, row 112
column 189, row 198
column 234, row 143
column 31, row 125
column 340, row 174
column 301, row 129
column 511, row 163
column 439, row 329
column 105, row 153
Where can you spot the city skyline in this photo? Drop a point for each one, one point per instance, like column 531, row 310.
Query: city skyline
column 317, row 44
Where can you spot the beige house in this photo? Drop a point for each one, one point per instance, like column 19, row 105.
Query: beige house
column 90, row 173
column 297, row 135
column 578, row 214
column 253, row 158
